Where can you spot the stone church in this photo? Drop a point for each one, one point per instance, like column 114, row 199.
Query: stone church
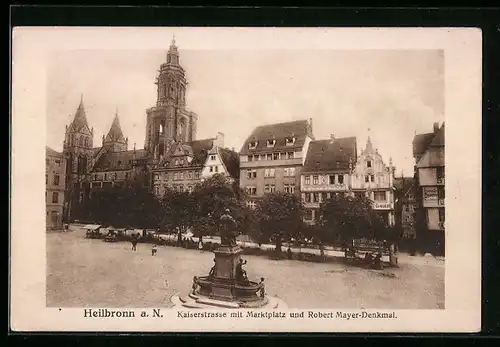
column 170, row 128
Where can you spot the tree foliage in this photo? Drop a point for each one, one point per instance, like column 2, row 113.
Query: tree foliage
column 280, row 217
column 129, row 205
column 178, row 212
column 345, row 218
column 213, row 196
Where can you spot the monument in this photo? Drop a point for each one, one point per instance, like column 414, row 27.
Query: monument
column 226, row 284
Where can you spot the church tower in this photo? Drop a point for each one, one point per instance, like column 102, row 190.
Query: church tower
column 169, row 121
column 77, row 149
column 114, row 140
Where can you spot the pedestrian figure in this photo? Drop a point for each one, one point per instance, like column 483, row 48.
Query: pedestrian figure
column 195, row 284
column 289, row 253
column 134, row 245
column 154, row 250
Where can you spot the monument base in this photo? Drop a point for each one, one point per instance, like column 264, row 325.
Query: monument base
column 197, row 301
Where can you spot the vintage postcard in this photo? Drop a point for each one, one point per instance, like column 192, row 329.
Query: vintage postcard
column 246, row 179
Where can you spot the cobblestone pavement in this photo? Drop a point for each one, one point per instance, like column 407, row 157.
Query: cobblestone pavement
column 93, row 273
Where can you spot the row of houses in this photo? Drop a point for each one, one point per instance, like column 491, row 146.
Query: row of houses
column 274, row 157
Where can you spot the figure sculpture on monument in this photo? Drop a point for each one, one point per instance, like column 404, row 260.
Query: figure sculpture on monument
column 227, row 229
column 212, row 270
column 241, row 275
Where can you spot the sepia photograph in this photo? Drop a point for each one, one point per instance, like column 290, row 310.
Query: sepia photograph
column 190, row 176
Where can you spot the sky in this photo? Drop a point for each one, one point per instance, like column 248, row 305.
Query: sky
column 387, row 94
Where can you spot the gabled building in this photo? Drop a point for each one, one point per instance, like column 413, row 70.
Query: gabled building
column 55, row 170
column 405, row 206
column 223, row 161
column 429, row 154
column 181, row 168
column 272, row 157
column 327, row 171
column 375, row 180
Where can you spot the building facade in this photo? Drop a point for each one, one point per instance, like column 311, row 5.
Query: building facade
column 327, row 171
column 406, row 204
column 374, row 179
column 222, row 161
column 429, row 154
column 55, row 170
column 272, row 157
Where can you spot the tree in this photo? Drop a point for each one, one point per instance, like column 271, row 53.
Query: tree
column 129, row 205
column 178, row 212
column 281, row 215
column 213, row 196
column 346, row 218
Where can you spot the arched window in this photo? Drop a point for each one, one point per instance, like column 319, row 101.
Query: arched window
column 86, row 142
column 80, row 142
column 82, row 165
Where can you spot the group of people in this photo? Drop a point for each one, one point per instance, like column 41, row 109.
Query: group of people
column 154, row 249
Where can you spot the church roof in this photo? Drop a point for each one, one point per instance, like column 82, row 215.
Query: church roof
column 51, row 152
column 330, row 155
column 115, row 161
column 115, row 132
column 280, row 132
column 80, row 119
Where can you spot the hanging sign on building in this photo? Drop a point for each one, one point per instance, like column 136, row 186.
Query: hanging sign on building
column 430, row 194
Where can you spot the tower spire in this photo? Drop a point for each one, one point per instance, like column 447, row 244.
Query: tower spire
column 80, row 119
column 369, row 146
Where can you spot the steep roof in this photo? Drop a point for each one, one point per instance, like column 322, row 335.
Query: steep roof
column 115, row 131
column 330, row 155
column 421, row 143
column 51, row 152
column 80, row 119
column 438, row 140
column 403, row 185
column 231, row 160
column 280, row 132
column 197, row 149
column 114, row 161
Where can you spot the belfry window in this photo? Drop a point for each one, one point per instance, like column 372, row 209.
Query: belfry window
column 162, row 127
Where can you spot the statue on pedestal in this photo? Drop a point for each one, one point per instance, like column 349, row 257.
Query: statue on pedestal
column 227, row 229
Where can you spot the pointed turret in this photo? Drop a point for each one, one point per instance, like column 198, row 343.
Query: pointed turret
column 369, row 146
column 115, row 132
column 80, row 119
column 115, row 136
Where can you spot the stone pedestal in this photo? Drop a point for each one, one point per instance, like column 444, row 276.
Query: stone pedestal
column 226, row 286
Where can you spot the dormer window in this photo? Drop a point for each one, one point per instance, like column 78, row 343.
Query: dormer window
column 290, row 141
column 271, row 143
column 252, row 145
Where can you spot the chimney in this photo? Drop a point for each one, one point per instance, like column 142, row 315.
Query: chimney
column 219, row 140
column 436, row 127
